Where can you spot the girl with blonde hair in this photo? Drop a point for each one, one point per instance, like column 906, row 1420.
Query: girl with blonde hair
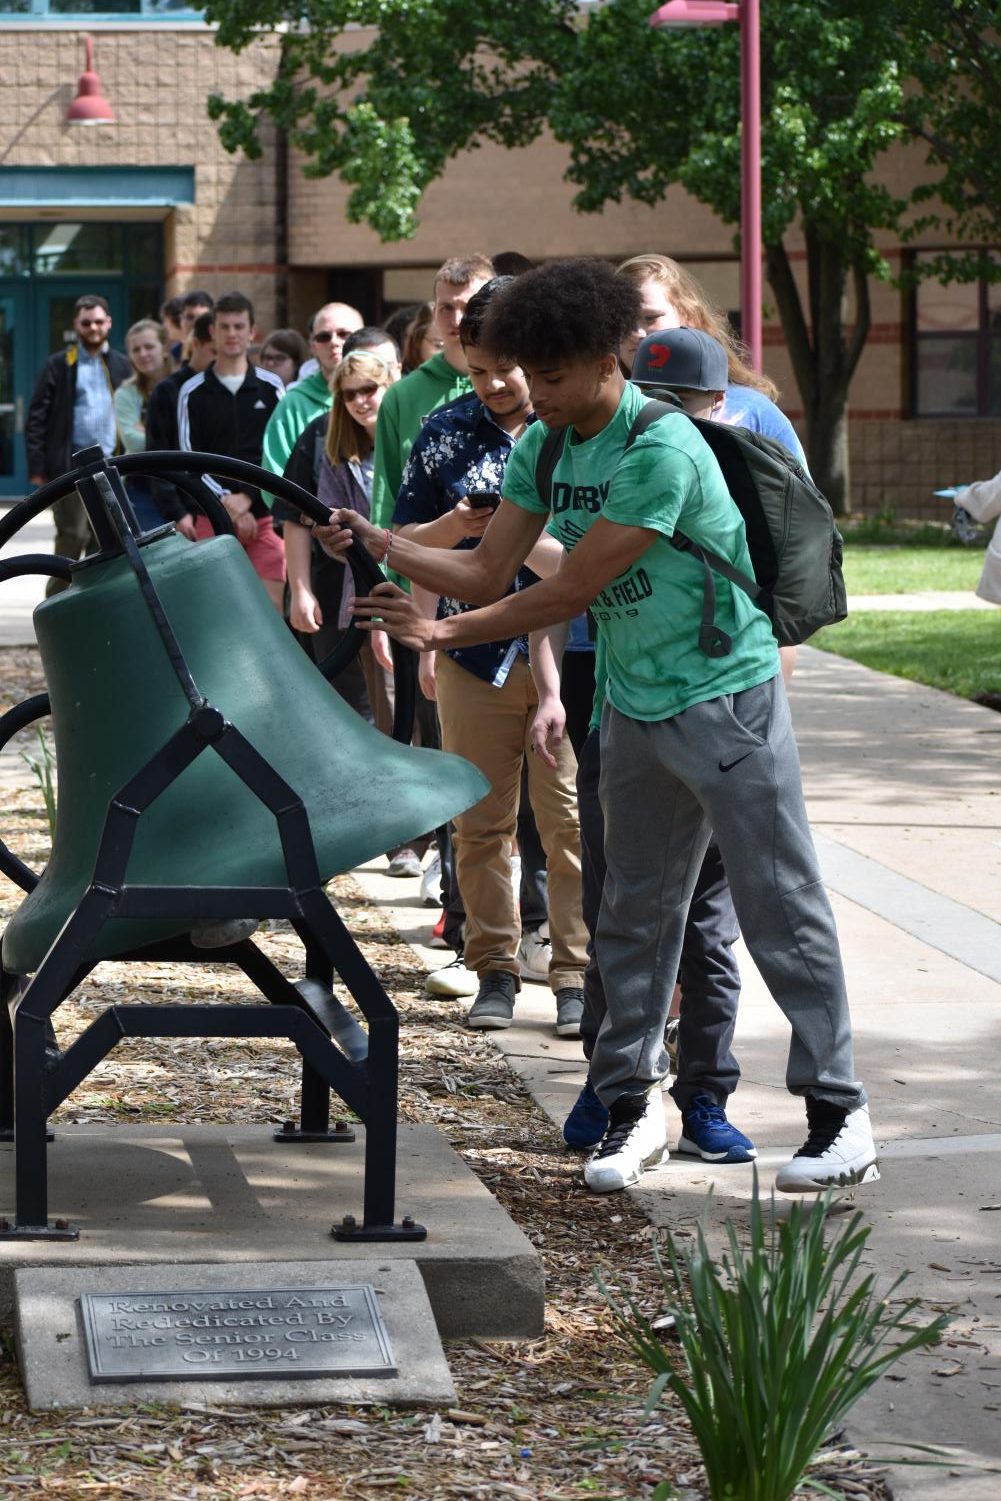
column 332, row 458
column 672, row 298
column 148, row 349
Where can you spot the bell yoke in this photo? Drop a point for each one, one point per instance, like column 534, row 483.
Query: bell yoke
column 206, row 772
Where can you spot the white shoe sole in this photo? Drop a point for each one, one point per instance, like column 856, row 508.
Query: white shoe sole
column 488, row 1023
column 610, row 1180
column 689, row 1148
column 455, row 990
column 789, row 1182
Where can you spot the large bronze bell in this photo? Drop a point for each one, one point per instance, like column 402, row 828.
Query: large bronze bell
column 115, row 700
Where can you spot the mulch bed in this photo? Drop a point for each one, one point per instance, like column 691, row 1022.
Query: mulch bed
column 553, row 1419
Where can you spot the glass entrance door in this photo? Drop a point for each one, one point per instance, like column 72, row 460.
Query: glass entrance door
column 15, row 388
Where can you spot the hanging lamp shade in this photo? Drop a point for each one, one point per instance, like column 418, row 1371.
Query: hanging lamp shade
column 90, row 106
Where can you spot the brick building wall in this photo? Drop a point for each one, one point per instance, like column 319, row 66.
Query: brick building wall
column 157, row 79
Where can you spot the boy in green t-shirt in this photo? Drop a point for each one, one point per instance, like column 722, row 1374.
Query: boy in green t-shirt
column 692, row 745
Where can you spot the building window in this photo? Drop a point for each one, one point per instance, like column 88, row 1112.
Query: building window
column 956, row 349
column 101, row 9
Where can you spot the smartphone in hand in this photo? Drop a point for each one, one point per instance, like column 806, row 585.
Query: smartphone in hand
column 484, row 500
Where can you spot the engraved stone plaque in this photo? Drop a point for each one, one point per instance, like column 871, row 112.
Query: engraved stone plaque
column 221, row 1335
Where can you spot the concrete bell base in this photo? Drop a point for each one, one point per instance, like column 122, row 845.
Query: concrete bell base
column 224, row 1195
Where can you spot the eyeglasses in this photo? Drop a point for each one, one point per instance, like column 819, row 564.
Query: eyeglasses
column 326, row 334
column 357, row 393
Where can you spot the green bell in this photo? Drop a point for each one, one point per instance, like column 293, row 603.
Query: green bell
column 116, row 700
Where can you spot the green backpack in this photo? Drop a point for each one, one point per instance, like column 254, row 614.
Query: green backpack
column 795, row 546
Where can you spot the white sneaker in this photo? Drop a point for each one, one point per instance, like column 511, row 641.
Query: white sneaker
column 431, row 882
column 535, row 955
column 403, row 863
column 636, row 1139
column 839, row 1151
column 455, row 979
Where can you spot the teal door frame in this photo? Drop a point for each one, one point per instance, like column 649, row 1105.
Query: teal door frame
column 16, row 382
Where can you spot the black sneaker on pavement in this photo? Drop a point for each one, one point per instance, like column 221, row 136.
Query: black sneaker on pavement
column 569, row 1011
column 839, row 1151
column 493, row 1008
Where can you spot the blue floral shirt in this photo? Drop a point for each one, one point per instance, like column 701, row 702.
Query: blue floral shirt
column 459, row 451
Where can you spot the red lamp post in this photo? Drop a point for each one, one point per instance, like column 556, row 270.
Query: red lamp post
column 717, row 13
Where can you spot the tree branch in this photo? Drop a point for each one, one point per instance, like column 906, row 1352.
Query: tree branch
column 863, row 319
column 794, row 326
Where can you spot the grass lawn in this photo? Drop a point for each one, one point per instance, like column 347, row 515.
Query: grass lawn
column 878, row 569
column 958, row 650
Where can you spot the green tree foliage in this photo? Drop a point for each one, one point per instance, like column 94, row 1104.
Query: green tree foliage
column 957, row 64
column 384, row 92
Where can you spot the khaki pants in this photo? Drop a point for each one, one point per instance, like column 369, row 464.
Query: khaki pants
column 490, row 727
column 73, row 535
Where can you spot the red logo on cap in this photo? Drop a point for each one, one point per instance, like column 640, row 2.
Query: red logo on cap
column 658, row 355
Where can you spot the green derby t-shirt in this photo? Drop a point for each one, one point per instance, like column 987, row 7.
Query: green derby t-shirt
column 649, row 617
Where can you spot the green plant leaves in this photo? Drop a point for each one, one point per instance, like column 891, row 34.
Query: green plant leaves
column 778, row 1338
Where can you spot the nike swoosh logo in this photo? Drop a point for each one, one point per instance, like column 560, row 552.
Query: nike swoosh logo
column 729, row 765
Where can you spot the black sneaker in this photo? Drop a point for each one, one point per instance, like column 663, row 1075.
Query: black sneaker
column 493, row 1008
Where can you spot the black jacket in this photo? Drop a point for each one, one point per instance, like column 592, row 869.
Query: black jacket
column 48, row 433
column 161, row 435
column 211, row 419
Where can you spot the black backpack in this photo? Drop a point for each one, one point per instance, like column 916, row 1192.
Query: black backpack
column 795, row 546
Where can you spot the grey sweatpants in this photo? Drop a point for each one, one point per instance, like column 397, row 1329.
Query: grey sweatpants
column 728, row 767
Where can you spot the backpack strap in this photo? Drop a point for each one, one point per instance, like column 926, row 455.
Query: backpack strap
column 545, row 464
column 713, row 641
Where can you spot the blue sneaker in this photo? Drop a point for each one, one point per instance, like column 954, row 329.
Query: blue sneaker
column 587, row 1122
column 707, row 1133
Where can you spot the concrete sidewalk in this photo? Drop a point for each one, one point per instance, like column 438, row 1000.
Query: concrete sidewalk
column 905, row 796
column 924, row 599
column 18, row 597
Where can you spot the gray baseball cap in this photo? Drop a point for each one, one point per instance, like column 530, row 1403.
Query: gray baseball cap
column 683, row 357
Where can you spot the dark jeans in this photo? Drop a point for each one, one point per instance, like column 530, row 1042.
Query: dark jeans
column 577, row 693
column 710, row 979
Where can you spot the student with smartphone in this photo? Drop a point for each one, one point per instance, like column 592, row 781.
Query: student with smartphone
column 487, row 700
